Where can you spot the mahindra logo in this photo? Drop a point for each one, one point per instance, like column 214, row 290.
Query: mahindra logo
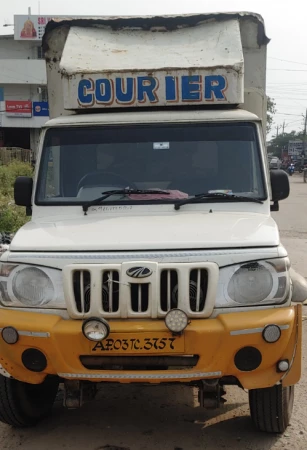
column 139, row 272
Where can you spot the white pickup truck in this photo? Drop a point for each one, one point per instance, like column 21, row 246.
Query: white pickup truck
column 151, row 255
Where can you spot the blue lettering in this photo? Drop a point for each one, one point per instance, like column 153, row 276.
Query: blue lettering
column 125, row 95
column 214, row 87
column 171, row 89
column 84, row 97
column 191, row 88
column 104, row 91
column 147, row 86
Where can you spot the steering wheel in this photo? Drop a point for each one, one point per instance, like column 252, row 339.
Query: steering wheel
column 100, row 177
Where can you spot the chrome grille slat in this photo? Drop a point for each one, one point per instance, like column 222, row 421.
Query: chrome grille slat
column 198, row 290
column 82, row 290
column 107, row 290
column 169, row 292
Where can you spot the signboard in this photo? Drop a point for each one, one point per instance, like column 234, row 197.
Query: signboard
column 40, row 109
column 160, row 89
column 18, row 108
column 30, row 28
column 295, row 148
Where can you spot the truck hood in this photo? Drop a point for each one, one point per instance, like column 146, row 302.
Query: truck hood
column 154, row 232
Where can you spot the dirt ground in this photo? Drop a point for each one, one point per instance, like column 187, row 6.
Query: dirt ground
column 168, row 418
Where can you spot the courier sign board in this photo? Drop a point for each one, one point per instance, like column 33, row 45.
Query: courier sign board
column 160, row 89
column 18, row 108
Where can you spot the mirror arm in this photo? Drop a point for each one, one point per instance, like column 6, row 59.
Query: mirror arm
column 29, row 211
column 275, row 206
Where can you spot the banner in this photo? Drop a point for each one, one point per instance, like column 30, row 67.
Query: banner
column 18, row 108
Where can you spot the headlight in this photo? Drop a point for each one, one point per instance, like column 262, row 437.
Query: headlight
column 31, row 286
column 255, row 283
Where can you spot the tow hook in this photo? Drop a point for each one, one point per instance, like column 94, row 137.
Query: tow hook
column 210, row 394
column 76, row 393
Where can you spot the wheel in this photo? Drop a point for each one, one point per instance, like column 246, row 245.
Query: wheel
column 271, row 408
column 23, row 404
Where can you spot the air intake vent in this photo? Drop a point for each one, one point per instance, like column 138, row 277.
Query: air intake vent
column 168, row 290
column 139, row 297
column 198, row 289
column 81, row 285
column 110, row 291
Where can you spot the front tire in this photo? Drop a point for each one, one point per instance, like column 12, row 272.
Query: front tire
column 23, row 404
column 271, row 408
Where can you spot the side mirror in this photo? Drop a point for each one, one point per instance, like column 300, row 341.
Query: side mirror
column 280, row 187
column 23, row 192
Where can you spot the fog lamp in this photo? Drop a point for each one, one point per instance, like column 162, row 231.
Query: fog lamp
column 283, row 365
column 176, row 321
column 271, row 333
column 96, row 329
column 10, row 335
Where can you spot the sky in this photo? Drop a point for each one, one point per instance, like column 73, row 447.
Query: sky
column 286, row 26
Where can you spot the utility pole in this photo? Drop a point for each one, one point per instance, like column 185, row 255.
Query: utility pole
column 304, row 135
column 283, row 127
column 277, row 129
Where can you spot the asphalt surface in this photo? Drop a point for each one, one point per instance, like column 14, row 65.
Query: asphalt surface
column 169, row 418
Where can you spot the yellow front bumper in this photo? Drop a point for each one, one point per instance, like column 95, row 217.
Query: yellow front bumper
column 216, row 341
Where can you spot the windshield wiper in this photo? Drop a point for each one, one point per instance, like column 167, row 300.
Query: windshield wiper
column 216, row 195
column 107, row 194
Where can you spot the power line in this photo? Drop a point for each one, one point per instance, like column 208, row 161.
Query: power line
column 286, row 60
column 288, row 114
column 290, row 70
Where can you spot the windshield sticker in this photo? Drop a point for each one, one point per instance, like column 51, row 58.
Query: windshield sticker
column 221, row 191
column 114, row 208
column 161, row 146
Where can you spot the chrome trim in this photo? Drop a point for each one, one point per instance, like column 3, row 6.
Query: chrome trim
column 40, row 334
column 255, row 330
column 134, row 256
column 110, row 376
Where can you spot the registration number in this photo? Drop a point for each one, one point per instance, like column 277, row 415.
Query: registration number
column 163, row 344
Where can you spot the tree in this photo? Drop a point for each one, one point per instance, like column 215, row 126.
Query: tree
column 12, row 217
column 271, row 110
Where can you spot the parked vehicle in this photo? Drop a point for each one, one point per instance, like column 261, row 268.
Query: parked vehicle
column 275, row 163
column 151, row 255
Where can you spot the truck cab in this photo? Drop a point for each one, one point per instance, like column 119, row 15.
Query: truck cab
column 151, row 255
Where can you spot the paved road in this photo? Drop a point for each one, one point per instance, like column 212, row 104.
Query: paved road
column 168, row 418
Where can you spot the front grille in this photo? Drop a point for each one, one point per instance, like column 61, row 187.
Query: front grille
column 112, row 291
column 139, row 362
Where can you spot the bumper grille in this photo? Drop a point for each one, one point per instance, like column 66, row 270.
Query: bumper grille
column 139, row 362
column 110, row 291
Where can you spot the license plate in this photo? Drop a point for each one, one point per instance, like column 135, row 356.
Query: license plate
column 147, row 343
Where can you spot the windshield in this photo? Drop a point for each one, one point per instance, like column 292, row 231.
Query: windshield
column 79, row 164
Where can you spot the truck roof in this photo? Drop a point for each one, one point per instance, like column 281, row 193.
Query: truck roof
column 153, row 117
column 164, row 22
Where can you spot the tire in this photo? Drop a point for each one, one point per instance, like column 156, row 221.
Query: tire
column 23, row 404
column 271, row 408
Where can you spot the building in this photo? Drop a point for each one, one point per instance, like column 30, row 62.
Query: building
column 23, row 93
